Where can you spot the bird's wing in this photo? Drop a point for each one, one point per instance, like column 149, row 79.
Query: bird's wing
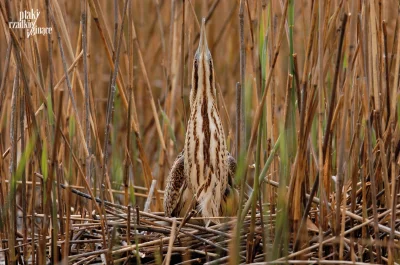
column 231, row 175
column 231, row 169
column 175, row 181
column 230, row 201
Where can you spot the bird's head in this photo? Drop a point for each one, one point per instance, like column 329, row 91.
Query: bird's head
column 203, row 79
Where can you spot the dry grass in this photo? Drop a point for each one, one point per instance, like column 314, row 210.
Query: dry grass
column 100, row 105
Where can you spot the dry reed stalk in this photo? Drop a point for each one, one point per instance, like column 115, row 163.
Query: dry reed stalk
column 127, row 160
column 88, row 164
column 4, row 76
column 228, row 120
column 341, row 155
column 174, row 60
column 182, row 66
column 238, row 119
column 242, row 80
column 12, row 211
column 240, row 131
column 171, row 242
column 224, row 25
column 320, row 117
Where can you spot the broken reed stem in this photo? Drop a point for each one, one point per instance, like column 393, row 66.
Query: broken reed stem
column 150, row 196
column 171, row 243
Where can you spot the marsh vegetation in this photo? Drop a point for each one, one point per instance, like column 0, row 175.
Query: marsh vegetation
column 94, row 107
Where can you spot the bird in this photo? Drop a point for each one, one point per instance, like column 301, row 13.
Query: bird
column 202, row 174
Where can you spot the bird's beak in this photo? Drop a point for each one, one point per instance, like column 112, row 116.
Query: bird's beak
column 203, row 47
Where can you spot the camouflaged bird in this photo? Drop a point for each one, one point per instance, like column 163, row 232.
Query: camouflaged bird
column 203, row 172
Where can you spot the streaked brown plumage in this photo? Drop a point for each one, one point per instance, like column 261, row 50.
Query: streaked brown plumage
column 204, row 169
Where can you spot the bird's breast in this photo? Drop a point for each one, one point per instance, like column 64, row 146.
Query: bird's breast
column 205, row 148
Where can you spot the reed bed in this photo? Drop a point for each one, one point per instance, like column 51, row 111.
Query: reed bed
column 93, row 114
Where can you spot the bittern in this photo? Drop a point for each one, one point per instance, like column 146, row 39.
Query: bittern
column 203, row 172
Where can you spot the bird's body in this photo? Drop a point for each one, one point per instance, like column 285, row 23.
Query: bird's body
column 204, row 169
